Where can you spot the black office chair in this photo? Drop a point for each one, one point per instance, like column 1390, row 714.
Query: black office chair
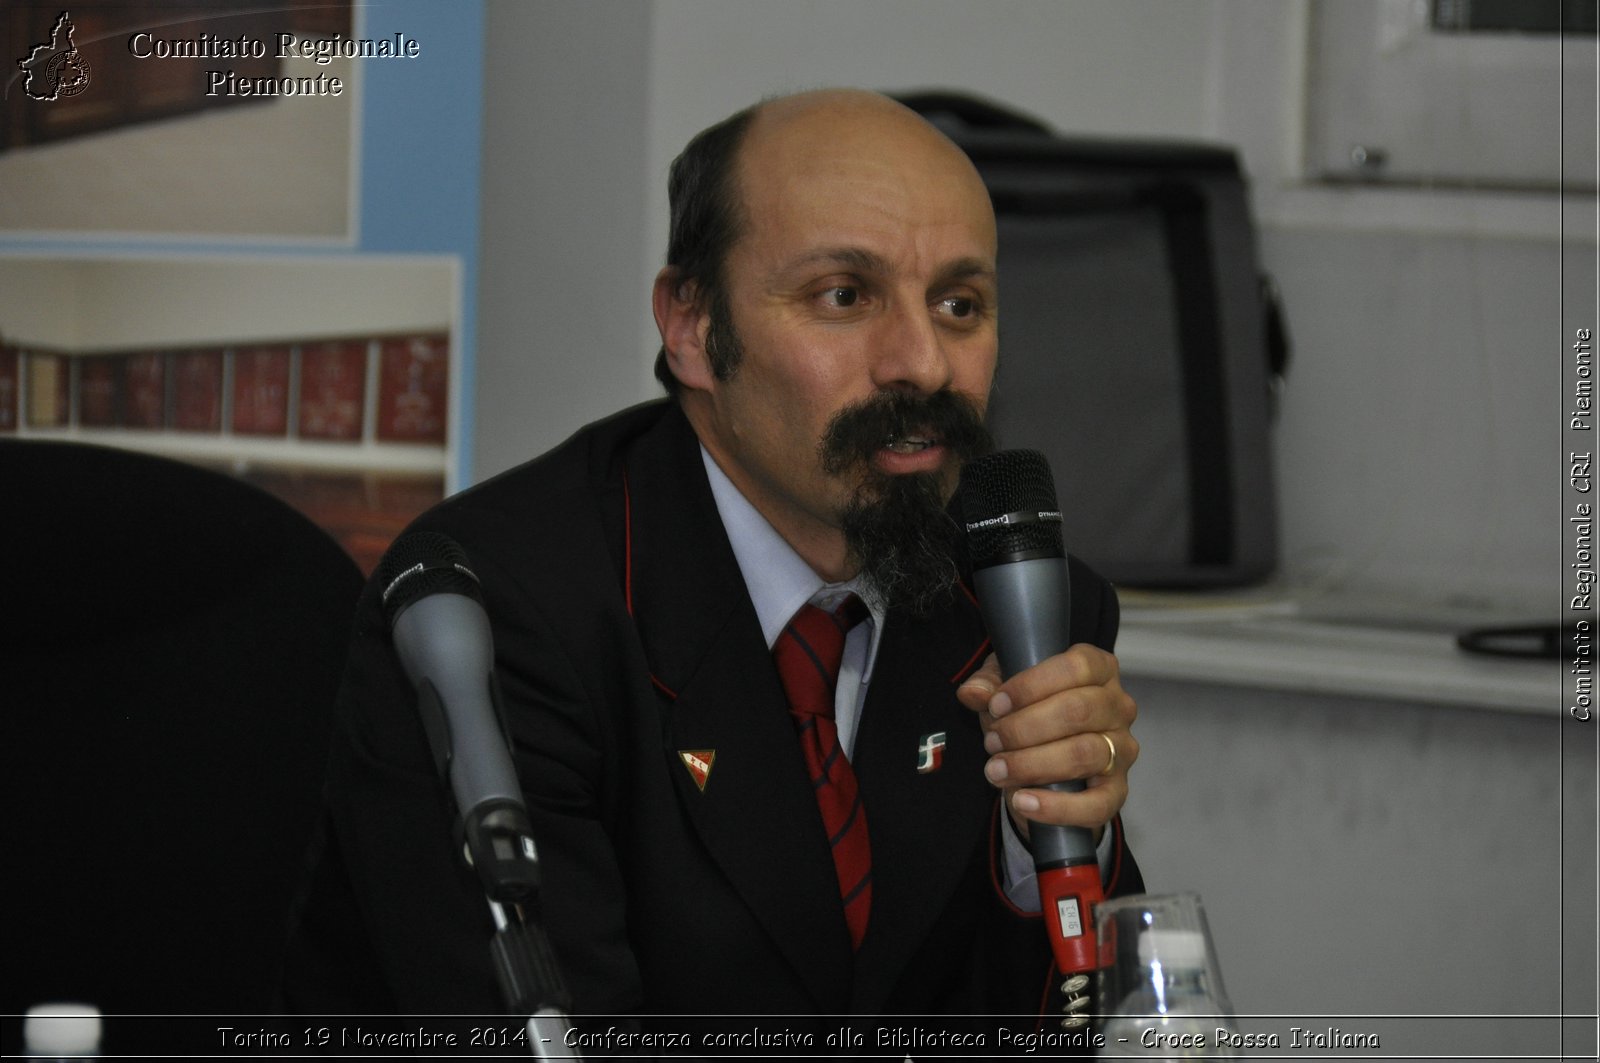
column 171, row 641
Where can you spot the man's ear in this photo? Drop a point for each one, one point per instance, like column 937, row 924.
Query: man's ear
column 683, row 325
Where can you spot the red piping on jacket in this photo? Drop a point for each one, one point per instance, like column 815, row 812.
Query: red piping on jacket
column 972, row 663
column 627, row 570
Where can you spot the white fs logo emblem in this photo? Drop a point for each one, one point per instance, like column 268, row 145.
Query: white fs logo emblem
column 930, row 753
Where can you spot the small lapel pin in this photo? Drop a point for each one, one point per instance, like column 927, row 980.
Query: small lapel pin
column 699, row 762
column 930, row 753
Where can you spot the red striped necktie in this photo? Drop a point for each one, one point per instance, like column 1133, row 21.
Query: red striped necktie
column 808, row 652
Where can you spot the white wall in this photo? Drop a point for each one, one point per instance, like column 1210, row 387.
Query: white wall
column 1376, row 858
column 1418, row 440
column 126, row 302
column 39, row 303
column 564, row 234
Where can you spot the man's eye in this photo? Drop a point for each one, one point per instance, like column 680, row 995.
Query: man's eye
column 959, row 306
column 841, row 296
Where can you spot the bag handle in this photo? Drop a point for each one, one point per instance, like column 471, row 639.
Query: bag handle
column 961, row 111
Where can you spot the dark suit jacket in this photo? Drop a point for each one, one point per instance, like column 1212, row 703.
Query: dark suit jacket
column 624, row 637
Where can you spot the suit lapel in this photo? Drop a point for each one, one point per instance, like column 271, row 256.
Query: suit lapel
column 754, row 810
column 924, row 825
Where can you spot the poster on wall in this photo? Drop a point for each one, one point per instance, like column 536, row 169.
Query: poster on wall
column 145, row 383
column 412, row 389
column 197, row 391
column 333, row 388
column 261, row 390
column 123, row 117
column 179, row 238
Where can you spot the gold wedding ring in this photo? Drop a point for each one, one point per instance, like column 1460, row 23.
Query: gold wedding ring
column 1111, row 765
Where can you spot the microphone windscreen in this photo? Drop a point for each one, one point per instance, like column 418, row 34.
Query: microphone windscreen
column 420, row 564
column 1008, row 504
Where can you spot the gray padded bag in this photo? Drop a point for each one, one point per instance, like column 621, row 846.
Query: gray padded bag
column 1139, row 343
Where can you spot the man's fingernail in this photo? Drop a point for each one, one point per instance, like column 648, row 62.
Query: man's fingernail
column 1025, row 802
column 1000, row 704
column 981, row 685
column 995, row 770
column 992, row 743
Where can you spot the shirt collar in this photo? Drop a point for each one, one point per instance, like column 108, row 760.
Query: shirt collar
column 778, row 580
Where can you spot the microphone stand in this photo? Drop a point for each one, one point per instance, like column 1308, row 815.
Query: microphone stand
column 499, row 847
column 441, row 634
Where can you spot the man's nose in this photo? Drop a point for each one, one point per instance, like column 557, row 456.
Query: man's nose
column 910, row 352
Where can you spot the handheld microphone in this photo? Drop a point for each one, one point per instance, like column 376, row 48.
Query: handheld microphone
column 434, row 607
column 1023, row 589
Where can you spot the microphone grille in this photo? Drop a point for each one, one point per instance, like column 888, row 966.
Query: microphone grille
column 422, row 563
column 1008, row 504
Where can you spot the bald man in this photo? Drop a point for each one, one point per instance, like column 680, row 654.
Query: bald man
column 828, row 317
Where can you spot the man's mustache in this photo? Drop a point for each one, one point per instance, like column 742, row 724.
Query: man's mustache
column 949, row 418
